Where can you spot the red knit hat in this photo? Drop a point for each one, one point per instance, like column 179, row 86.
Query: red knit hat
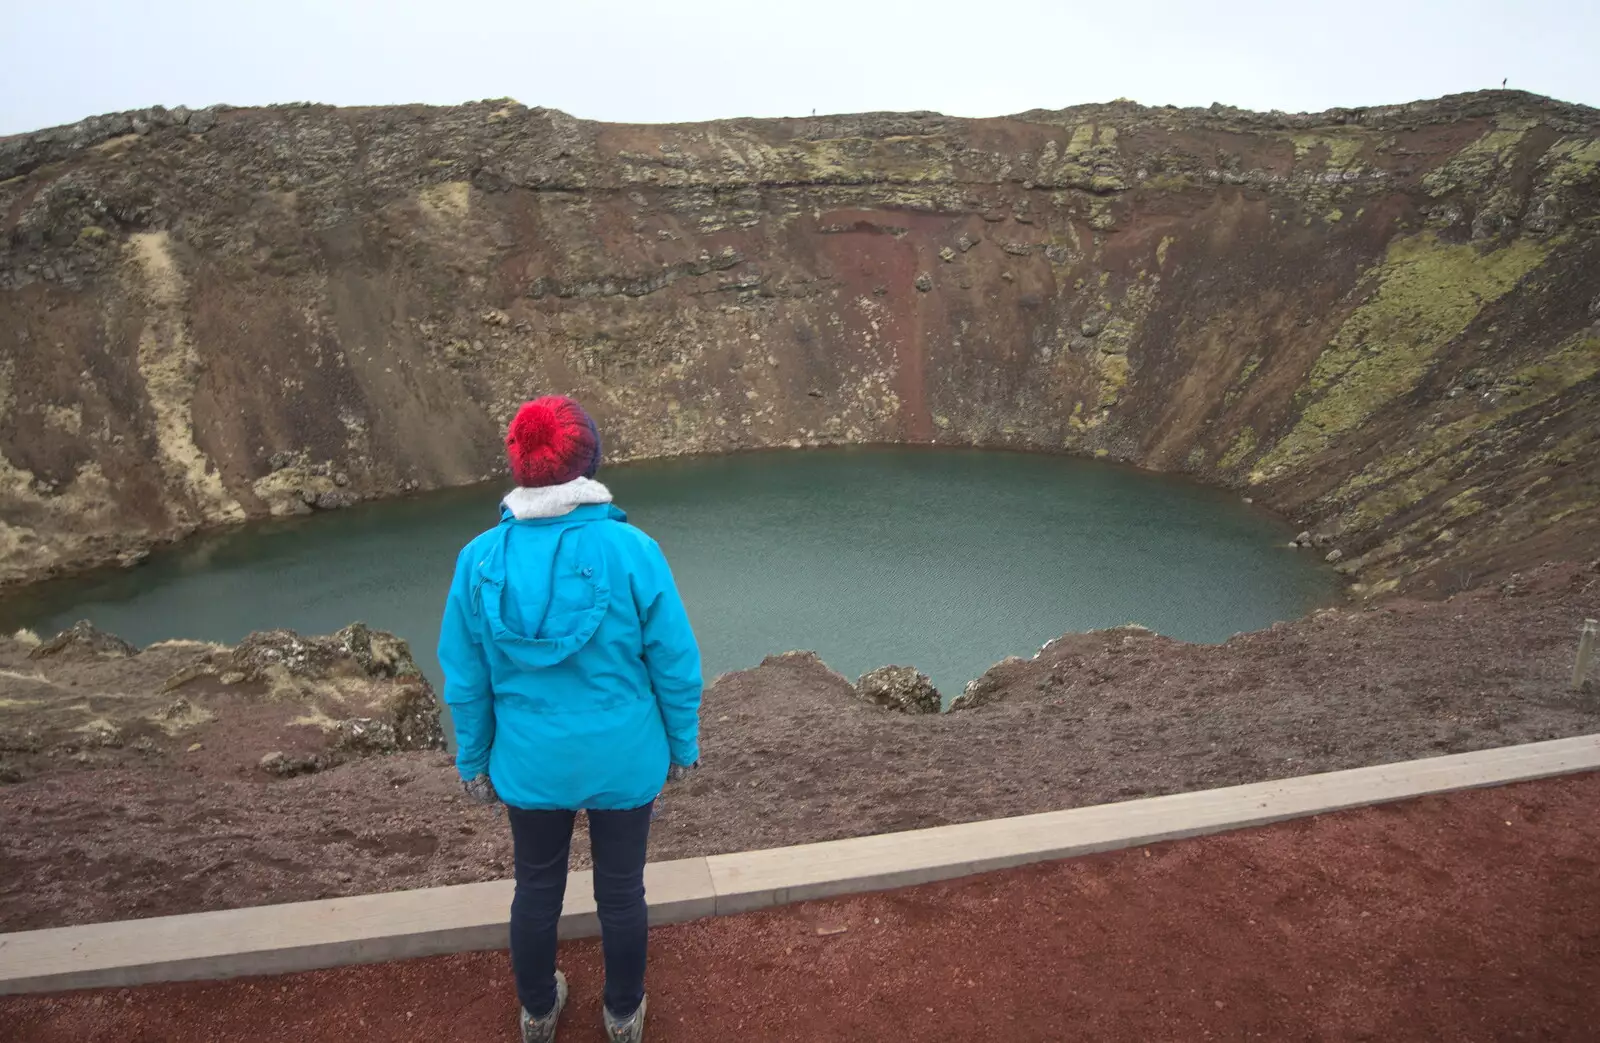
column 552, row 441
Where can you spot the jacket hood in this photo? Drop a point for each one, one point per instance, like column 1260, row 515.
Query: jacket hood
column 562, row 586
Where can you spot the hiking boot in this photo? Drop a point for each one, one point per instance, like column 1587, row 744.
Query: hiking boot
column 629, row 1029
column 543, row 1030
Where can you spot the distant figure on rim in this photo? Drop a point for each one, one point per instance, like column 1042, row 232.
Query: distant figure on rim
column 574, row 679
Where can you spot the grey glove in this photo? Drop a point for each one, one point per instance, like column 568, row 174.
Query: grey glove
column 679, row 772
column 480, row 790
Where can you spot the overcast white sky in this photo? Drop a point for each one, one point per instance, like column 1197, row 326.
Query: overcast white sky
column 645, row 61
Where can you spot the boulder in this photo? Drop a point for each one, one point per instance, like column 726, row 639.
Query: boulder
column 411, row 716
column 795, row 658
column 996, row 683
column 285, row 767
column 373, row 653
column 979, row 692
column 202, row 120
column 362, row 681
column 900, row 688
column 286, row 650
column 334, row 500
column 100, row 733
column 378, row 652
column 367, row 735
column 84, row 641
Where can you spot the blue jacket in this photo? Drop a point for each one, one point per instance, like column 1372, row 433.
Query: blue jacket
column 569, row 663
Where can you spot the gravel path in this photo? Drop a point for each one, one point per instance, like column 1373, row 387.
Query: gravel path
column 1473, row 916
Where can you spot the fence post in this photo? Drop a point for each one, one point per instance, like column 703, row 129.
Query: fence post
column 1586, row 641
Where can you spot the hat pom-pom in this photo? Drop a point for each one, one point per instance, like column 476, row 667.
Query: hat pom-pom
column 534, row 426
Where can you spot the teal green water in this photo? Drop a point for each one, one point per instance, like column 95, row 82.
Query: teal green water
column 945, row 560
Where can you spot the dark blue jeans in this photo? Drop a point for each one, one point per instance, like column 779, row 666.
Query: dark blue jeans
column 543, row 840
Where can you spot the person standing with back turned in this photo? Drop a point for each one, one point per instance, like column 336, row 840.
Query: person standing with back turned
column 574, row 680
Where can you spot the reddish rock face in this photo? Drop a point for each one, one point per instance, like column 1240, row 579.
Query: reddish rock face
column 1380, row 321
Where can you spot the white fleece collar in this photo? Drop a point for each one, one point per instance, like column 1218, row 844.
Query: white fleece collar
column 552, row 501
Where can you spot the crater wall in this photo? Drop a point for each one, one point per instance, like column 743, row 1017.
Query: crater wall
column 1382, row 322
